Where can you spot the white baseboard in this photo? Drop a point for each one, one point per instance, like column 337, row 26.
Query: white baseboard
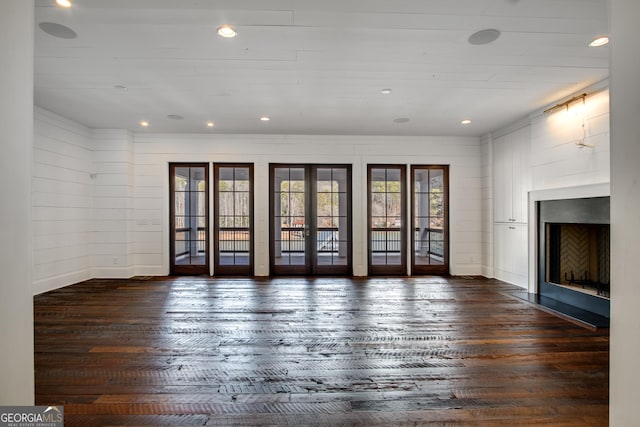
column 56, row 282
column 113, row 273
column 150, row 270
column 515, row 279
column 488, row 272
column 466, row 270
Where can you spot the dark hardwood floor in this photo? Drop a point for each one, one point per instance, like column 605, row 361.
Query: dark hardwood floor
column 314, row 351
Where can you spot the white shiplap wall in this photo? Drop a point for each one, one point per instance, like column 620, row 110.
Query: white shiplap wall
column 100, row 197
column 61, row 202
column 112, row 228
column 486, row 161
column 153, row 152
column 556, row 161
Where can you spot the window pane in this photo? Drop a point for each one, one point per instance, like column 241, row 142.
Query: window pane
column 436, row 204
column 179, row 203
column 181, row 178
column 393, row 179
column 242, row 206
column 436, row 181
column 378, row 205
column 242, row 222
column 436, row 222
column 394, row 204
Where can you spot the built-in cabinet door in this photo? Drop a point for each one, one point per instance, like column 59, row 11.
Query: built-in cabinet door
column 510, row 208
column 502, row 180
column 511, row 176
column 511, row 253
column 520, row 176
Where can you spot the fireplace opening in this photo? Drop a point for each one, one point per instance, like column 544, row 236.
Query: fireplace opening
column 578, row 257
column 573, row 257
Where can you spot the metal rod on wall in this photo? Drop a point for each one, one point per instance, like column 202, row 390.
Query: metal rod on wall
column 566, row 103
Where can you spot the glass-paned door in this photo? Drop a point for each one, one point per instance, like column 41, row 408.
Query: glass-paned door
column 189, row 218
column 430, row 218
column 289, row 218
column 332, row 224
column 233, row 224
column 387, row 242
column 310, row 219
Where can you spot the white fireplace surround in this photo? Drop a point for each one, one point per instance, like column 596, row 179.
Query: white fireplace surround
column 577, row 192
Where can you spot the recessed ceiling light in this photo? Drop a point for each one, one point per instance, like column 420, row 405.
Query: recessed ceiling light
column 484, row 36
column 265, row 118
column 57, row 30
column 226, row 31
column 175, row 117
column 465, row 122
column 210, row 124
column 599, row 41
column 121, row 87
column 144, row 123
column 385, row 91
column 63, row 3
column 401, row 120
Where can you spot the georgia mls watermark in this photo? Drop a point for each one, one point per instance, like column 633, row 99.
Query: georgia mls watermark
column 31, row 416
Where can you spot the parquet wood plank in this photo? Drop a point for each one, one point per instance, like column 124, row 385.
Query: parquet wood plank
column 456, row 351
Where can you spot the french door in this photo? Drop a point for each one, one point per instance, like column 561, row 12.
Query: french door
column 430, row 216
column 387, row 229
column 310, row 213
column 189, row 213
column 233, row 222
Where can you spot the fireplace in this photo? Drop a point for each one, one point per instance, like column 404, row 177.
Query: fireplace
column 574, row 254
column 577, row 257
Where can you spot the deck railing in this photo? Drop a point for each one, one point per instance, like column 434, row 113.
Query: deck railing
column 383, row 240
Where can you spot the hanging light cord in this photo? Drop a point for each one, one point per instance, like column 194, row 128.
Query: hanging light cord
column 580, row 142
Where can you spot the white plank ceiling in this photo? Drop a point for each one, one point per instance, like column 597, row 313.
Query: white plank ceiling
column 315, row 67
